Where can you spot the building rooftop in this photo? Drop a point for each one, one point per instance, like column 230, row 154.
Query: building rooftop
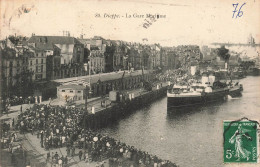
column 84, row 80
column 53, row 39
column 47, row 42
column 72, row 86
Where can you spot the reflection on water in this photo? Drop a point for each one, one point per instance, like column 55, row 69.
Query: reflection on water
column 190, row 136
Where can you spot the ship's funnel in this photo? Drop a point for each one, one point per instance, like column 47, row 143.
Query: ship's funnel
column 193, row 70
column 211, row 79
column 204, row 79
column 226, row 65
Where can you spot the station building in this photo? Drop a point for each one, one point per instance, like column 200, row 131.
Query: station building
column 101, row 84
column 71, row 92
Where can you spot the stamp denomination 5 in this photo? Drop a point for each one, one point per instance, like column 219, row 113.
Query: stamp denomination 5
column 240, row 141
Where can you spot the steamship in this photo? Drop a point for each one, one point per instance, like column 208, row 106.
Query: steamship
column 206, row 91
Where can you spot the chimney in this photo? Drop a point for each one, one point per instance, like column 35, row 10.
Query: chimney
column 81, row 36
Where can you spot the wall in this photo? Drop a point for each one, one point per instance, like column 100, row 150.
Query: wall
column 37, row 63
column 61, row 95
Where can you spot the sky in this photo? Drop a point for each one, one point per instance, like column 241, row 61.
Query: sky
column 186, row 22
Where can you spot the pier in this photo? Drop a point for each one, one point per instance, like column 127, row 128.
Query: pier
column 113, row 112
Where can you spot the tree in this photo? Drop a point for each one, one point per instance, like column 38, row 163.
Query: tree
column 23, row 86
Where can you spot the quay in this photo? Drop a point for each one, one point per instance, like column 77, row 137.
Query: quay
column 111, row 113
column 102, row 111
column 37, row 154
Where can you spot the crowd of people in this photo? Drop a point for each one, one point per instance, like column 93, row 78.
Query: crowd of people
column 15, row 100
column 170, row 75
column 10, row 144
column 7, row 135
column 58, row 127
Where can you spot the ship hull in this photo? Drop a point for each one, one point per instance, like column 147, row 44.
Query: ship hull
column 182, row 100
column 254, row 72
column 236, row 91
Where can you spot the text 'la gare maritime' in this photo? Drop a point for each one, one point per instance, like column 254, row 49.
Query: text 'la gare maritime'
column 135, row 15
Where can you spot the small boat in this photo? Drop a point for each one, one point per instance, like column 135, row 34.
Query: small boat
column 207, row 91
column 254, row 71
column 235, row 90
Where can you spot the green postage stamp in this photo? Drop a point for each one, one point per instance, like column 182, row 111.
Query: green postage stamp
column 240, row 142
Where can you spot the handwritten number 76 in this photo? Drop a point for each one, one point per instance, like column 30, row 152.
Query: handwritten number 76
column 239, row 13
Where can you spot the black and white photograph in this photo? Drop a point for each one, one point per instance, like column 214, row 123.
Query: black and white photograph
column 130, row 83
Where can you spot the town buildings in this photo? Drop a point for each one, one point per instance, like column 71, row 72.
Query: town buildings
column 65, row 55
column 95, row 54
column 40, row 59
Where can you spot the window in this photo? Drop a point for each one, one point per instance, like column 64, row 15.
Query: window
column 31, row 62
column 38, row 76
column 42, row 61
column 78, row 58
column 41, row 68
column 42, row 54
column 79, row 91
column 63, row 90
column 36, row 61
column 71, row 91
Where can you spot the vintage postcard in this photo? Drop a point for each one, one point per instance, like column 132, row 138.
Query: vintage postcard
column 130, row 83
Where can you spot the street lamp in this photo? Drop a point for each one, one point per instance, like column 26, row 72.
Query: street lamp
column 88, row 91
column 88, row 88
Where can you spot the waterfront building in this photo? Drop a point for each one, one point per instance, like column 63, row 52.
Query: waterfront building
column 132, row 57
column 170, row 58
column 72, row 51
column 143, row 59
column 96, row 61
column 120, row 54
column 71, row 92
column 101, row 84
column 70, row 54
column 155, row 57
column 37, row 63
column 10, row 69
column 16, row 77
column 95, row 53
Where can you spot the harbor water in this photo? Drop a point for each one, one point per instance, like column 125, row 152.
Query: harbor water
column 187, row 136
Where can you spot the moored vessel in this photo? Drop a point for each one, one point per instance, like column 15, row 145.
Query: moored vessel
column 206, row 91
column 235, row 90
